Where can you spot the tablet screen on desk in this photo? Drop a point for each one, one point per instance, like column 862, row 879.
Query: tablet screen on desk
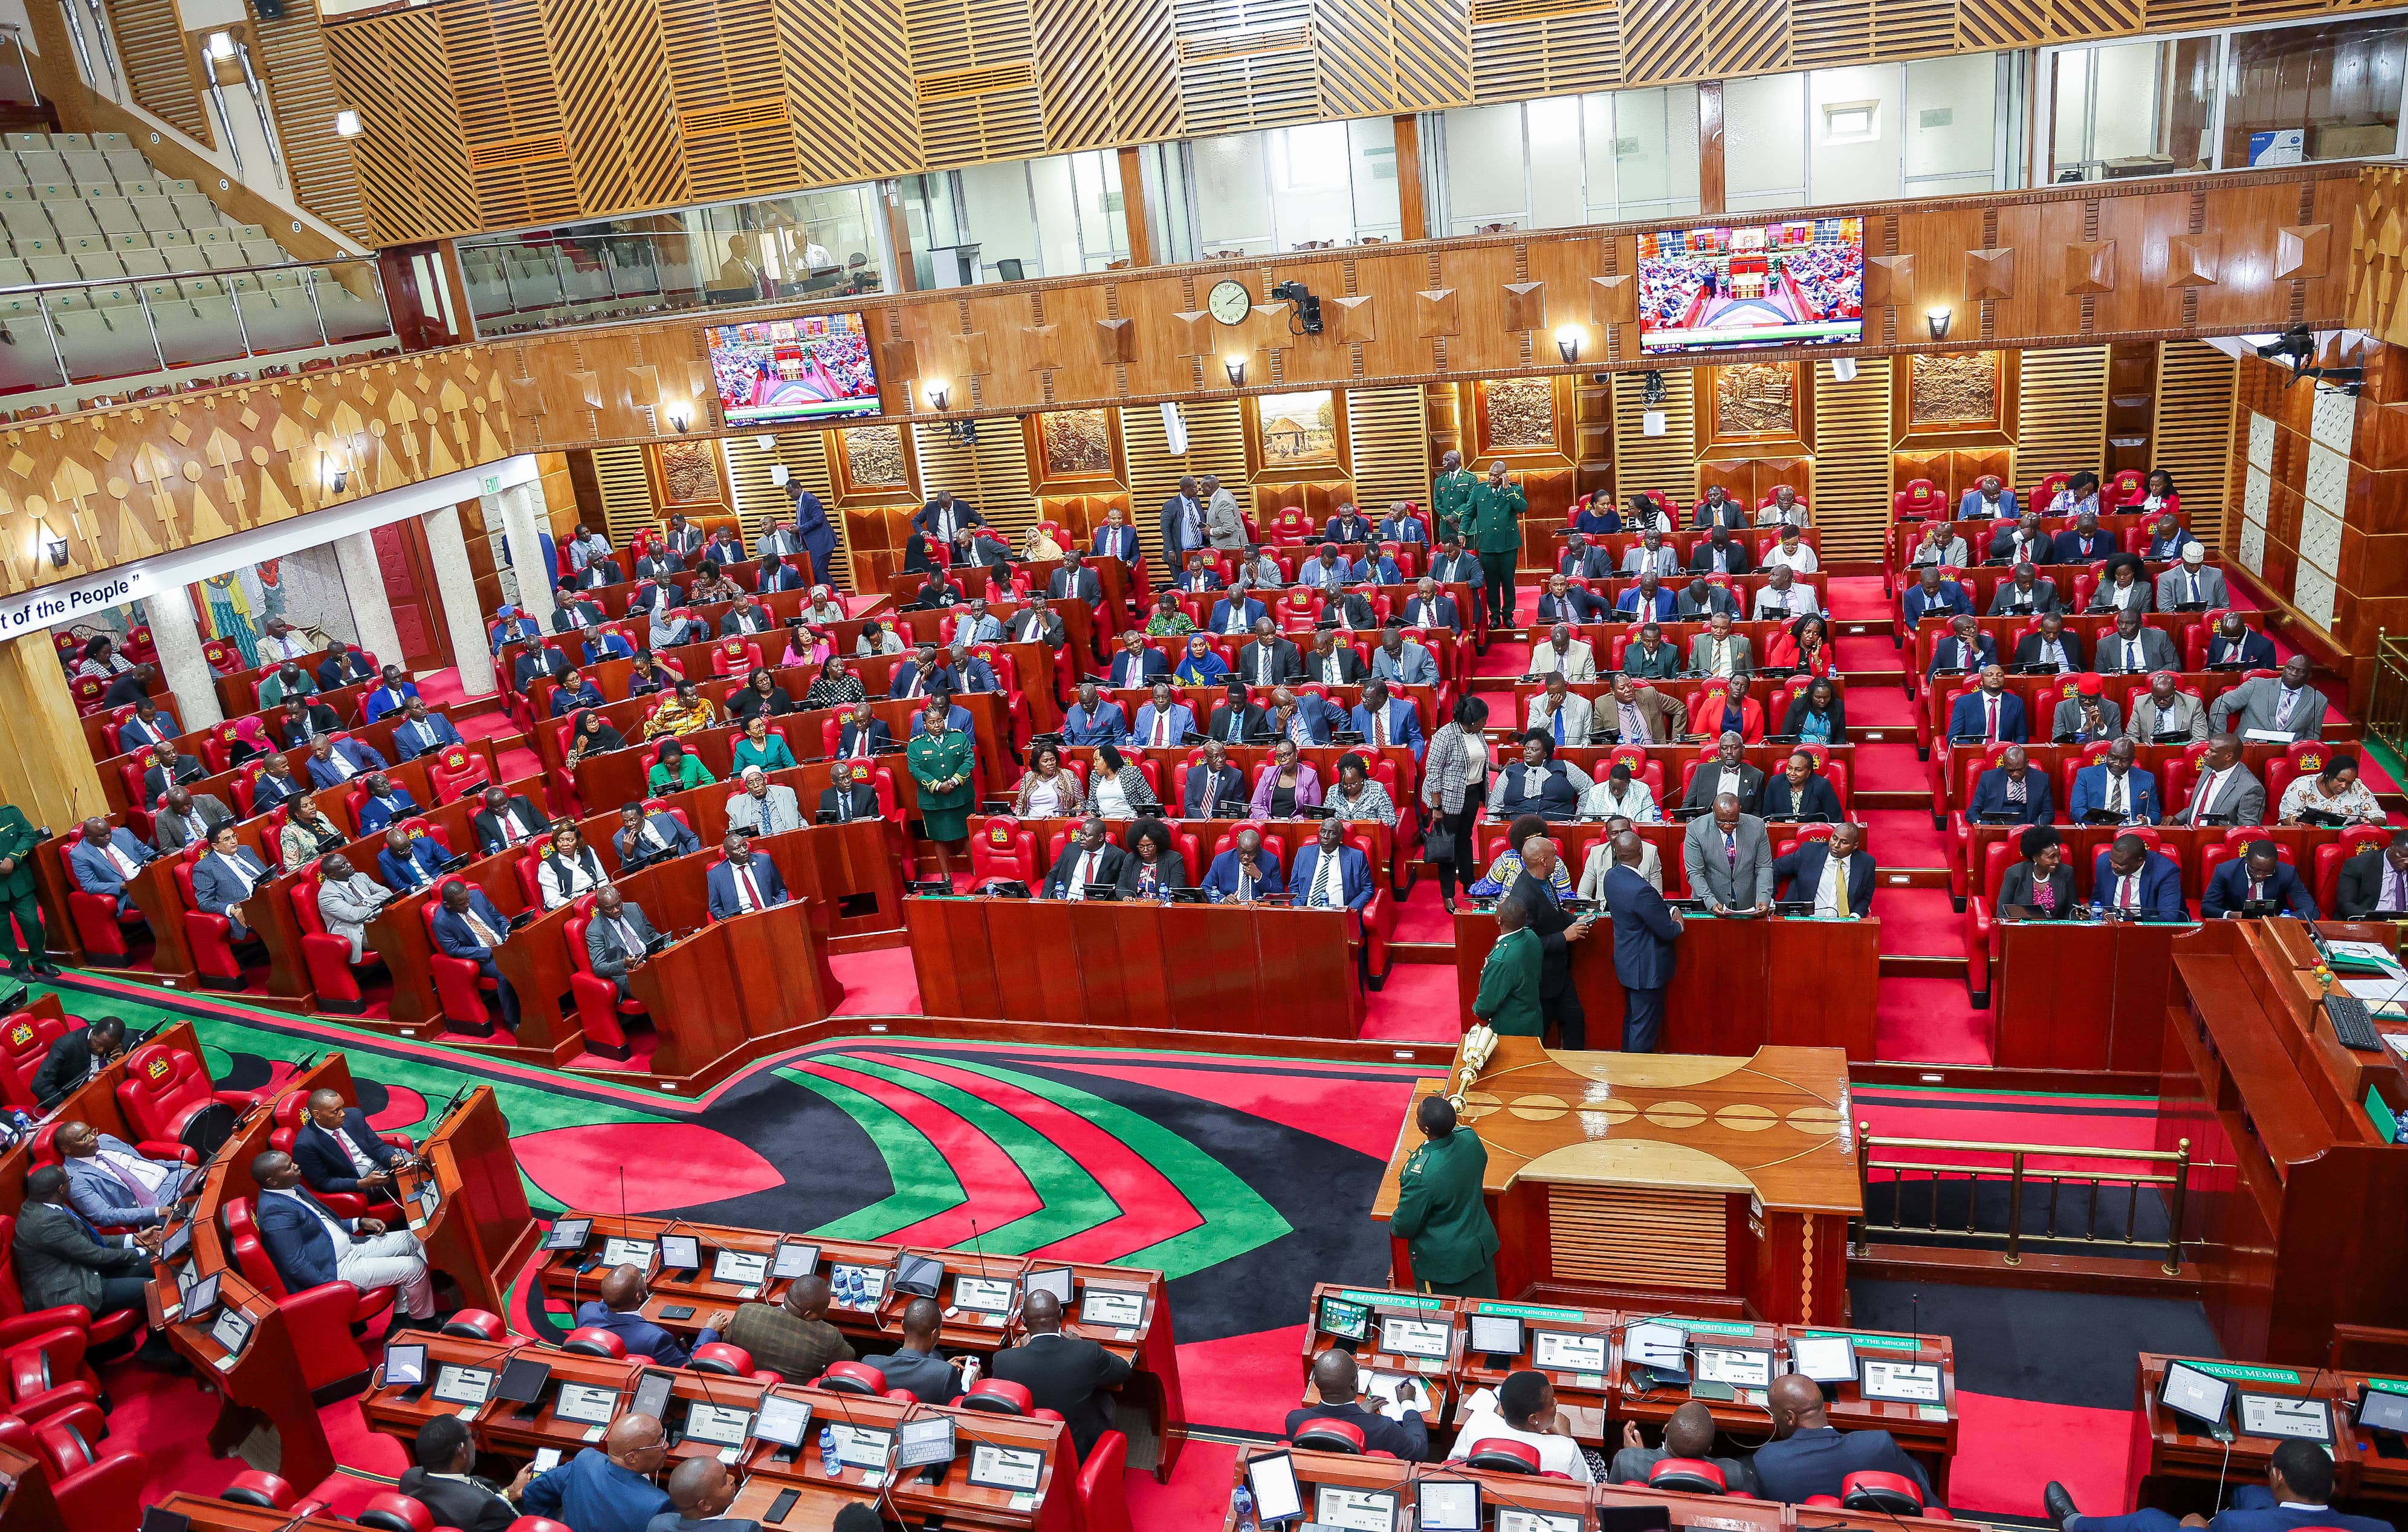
column 465, row 1386
column 860, row 1446
column 628, row 1252
column 1740, row 1367
column 2280, row 1416
column 1448, row 1505
column 1901, row 1382
column 1497, row 1335
column 568, row 1234
column 522, row 1380
column 1117, row 1307
column 201, row 1297
column 2200, row 1396
column 2383, row 1411
column 1356, row 1510
column 923, row 1443
column 1346, row 1321
column 782, row 1420
column 232, row 1331
column 584, row 1404
column 722, row 1425
column 681, row 1252
column 405, row 1364
column 793, row 1261
column 1012, row 1468
column 745, row 1268
column 1562, row 1352
column 983, row 1294
column 1512, row 1519
column 652, row 1394
column 1425, row 1338
column 1273, row 1478
column 1054, row 1279
column 1825, row 1359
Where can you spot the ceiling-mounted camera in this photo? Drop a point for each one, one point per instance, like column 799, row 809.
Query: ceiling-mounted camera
column 1307, row 308
column 2298, row 344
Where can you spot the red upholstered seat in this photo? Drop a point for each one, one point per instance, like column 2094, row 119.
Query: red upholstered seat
column 476, row 1324
column 326, row 956
column 166, row 1087
column 1501, row 1454
column 210, row 936
column 25, row 1041
column 1690, row 1475
column 540, row 1524
column 18, row 1327
column 258, row 1487
column 92, row 1488
column 851, row 1377
column 1869, row 1489
column 721, row 1360
column 1103, row 1504
column 454, row 771
column 734, row 655
column 98, row 926
column 586, row 1342
column 319, row 1317
column 999, row 1397
column 599, row 1010
column 459, row 988
column 392, row 1512
column 1329, row 1436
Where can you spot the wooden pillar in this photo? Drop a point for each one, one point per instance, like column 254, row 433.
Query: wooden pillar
column 898, row 232
column 1133, row 209
column 52, row 60
column 46, row 768
column 1410, row 211
column 1710, row 147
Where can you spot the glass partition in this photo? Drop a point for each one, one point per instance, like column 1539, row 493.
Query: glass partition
column 2330, row 91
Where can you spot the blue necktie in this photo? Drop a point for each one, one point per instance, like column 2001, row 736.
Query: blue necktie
column 1559, row 729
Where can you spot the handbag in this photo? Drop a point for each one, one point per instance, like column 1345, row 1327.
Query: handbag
column 1438, row 843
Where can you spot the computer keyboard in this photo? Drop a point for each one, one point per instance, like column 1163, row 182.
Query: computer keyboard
column 2350, row 1023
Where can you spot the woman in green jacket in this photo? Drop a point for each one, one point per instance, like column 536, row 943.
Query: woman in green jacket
column 759, row 747
column 676, row 771
column 939, row 760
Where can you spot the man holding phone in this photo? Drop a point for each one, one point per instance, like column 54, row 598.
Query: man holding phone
column 444, row 1481
column 608, row 1488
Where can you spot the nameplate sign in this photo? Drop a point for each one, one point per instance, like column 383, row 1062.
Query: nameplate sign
column 2241, row 1373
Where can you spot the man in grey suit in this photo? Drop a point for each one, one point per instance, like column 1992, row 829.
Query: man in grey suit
column 1653, row 556
column 764, row 809
column 348, row 899
column 184, row 818
column 61, row 1260
column 2227, row 792
column 616, row 937
column 1224, row 525
column 1182, row 524
column 2165, row 712
column 1730, row 859
column 2281, row 704
column 2192, row 582
column 1400, row 663
column 2133, row 648
column 227, row 876
column 915, row 1364
column 112, row 1183
column 1719, row 651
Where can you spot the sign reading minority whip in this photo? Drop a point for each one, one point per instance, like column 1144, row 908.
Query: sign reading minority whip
column 53, row 604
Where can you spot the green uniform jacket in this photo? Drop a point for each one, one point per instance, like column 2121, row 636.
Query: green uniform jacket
column 1509, row 986
column 933, row 760
column 1450, row 497
column 1440, row 1213
column 1496, row 525
column 18, row 838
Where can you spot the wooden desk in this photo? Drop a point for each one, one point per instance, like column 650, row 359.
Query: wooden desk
column 1554, row 1496
column 2082, row 997
column 2175, row 1469
column 1583, row 1397
column 1374, row 1362
column 208, row 1514
column 482, row 1231
column 1725, row 998
column 1716, row 1186
column 776, row 958
column 1260, row 969
column 1930, row 1439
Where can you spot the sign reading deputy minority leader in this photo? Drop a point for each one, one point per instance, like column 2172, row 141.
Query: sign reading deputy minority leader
column 53, row 604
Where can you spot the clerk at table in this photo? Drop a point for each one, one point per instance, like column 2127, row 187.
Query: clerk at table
column 620, row 1309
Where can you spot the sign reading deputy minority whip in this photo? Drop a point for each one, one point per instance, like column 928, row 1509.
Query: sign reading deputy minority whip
column 53, row 604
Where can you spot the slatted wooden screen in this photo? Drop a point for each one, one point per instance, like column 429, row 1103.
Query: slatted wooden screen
column 2064, row 412
column 1653, row 1237
column 159, row 66
column 1851, row 459
column 1668, row 462
column 2192, row 432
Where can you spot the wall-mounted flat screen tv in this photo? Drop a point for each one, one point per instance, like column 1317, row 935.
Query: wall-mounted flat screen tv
column 1745, row 285
column 819, row 366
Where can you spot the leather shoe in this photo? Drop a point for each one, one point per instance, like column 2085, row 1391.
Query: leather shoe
column 47, row 969
column 2058, row 1504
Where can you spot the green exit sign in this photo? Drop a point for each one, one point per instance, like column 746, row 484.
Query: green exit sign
column 492, row 484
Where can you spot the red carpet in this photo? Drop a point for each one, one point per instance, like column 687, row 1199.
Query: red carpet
column 1929, row 1021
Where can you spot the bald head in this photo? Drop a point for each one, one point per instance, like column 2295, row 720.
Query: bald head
column 1333, row 1376
column 1041, row 1314
column 921, row 1320
column 623, row 1290
column 634, row 1443
column 701, row 1489
column 808, row 1295
column 1797, row 1403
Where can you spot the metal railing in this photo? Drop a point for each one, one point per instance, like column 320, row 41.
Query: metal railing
column 2387, row 703
column 206, row 318
column 2011, row 1165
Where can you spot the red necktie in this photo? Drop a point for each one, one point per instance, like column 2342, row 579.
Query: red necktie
column 1991, row 732
column 751, row 890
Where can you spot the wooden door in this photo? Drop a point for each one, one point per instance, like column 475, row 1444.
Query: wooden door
column 408, row 574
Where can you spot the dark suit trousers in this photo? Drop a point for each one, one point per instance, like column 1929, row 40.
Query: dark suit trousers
column 508, row 997
column 119, row 1293
column 1562, row 1010
column 1643, row 1018
column 2150, row 1519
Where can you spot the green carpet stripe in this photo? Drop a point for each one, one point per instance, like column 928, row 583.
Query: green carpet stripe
column 1070, row 1201
column 1234, row 1218
column 924, row 1184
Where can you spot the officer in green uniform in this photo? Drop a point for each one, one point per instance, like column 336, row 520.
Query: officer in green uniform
column 1507, row 1001
column 18, row 838
column 1450, row 497
column 1494, row 534
column 939, row 759
column 1440, row 1212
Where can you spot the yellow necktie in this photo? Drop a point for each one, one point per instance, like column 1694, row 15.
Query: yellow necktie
column 1839, row 905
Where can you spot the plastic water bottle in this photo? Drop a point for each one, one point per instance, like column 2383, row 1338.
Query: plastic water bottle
column 1241, row 1509
column 23, row 1123
column 827, row 1452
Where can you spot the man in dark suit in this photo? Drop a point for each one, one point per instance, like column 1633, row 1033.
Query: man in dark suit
column 1966, row 648
column 1807, row 1457
column 2052, row 646
column 1336, row 1382
column 616, row 938
column 534, row 662
column 1061, row 1373
column 1431, row 607
column 2012, row 787
column 506, row 819
column 2083, row 542
column 1720, row 553
column 2298, row 1482
column 344, row 666
column 915, row 1364
column 642, row 837
column 61, row 1260
column 620, row 1309
column 1563, row 601
column 1089, row 859
column 944, row 516
column 470, row 928
column 2235, row 643
column 1556, row 930
column 2256, row 876
column 574, row 617
column 1035, row 623
column 743, row 880
column 309, row 1247
column 74, row 1058
column 443, row 1481
column 1644, row 930
column 1183, row 522
column 849, row 797
column 302, row 719
column 169, row 768
column 1115, row 538
column 2375, row 879
column 1718, row 510
column 1332, row 663
column 1800, row 874
column 863, row 733
column 337, row 1151
column 1136, row 665
column 148, row 726
column 1238, row 721
column 2142, row 884
column 334, row 762
column 1074, row 581
column 1584, row 561
column 1988, row 713
column 1267, row 660
column 776, row 575
column 1213, row 781
column 410, row 862
column 2025, row 595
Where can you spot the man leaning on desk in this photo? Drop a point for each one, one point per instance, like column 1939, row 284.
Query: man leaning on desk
column 2296, row 1492
column 620, row 1309
column 1808, row 1458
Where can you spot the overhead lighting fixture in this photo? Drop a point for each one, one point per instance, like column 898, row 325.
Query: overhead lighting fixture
column 221, row 45
column 1568, row 343
column 346, row 124
column 1937, row 320
column 938, row 392
column 678, row 421
column 1236, row 368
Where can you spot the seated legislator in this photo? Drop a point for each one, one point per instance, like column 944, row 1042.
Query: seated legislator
column 1066, row 1374
column 675, row 771
column 1329, row 874
column 469, row 927
column 2025, row 594
column 1582, row 560
column 410, row 862
column 1987, row 499
column 1727, row 775
column 169, row 768
column 2052, row 646
column 2228, row 792
column 1199, row 665
column 1430, row 608
column 1637, row 715
column 1237, row 612
column 1780, row 599
column 1239, row 720
column 310, row 1247
column 334, row 762
column 847, row 797
column 2114, row 791
column 1215, row 789
column 862, row 734
column 569, row 869
column 2164, row 714
column 1090, row 858
column 1931, row 595
column 620, row 1309
column 1537, row 783
column 1117, row 788
column 1818, row 715
column 1651, row 658
column 1988, row 713
column 108, row 859
column 575, row 692
column 1047, row 789
column 1741, row 713
column 1941, row 548
column 384, row 803
column 1833, row 876
column 1648, row 600
column 643, row 837
column 2374, row 879
column 226, row 876
column 766, row 807
column 337, row 1151
column 1506, row 868
column 2141, row 884
column 1652, row 555
column 1152, row 864
column 1964, row 649
column 1563, row 601
column 1719, row 651
column 2299, row 1484
column 617, row 938
column 2133, row 649
column 2039, row 886
column 1620, row 794
column 1355, row 796
column 1720, row 554
column 113, row 1184
column 792, row 1337
column 2023, row 542
column 1094, row 719
column 1800, row 793
column 1808, row 1458
column 2086, row 715
column 1563, row 654
column 348, row 899
column 276, row 784
column 915, row 1364
column 743, row 880
column 2258, row 877
column 443, row 1479
column 1600, row 861
column 1289, row 783
column 1244, row 873
column 1522, row 1410
column 1137, row 664
column 756, row 748
column 290, row 680
column 2333, row 795
column 62, row 1259
column 1396, row 1429
column 77, row 1058
column 1561, row 714
column 1792, row 552
column 1163, row 719
column 2235, row 643
column 608, row 1488
column 1689, row 1434
column 2191, row 585
column 2013, row 792
column 2123, row 587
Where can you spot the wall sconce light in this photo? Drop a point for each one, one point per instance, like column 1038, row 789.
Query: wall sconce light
column 1936, row 319
column 679, row 420
column 57, row 548
column 348, row 125
column 938, row 392
column 1568, row 343
column 221, row 45
column 1236, row 368
column 343, row 477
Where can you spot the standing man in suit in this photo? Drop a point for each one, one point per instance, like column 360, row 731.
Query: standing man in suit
column 819, row 536
column 1558, row 999
column 915, row 1364
column 1644, row 931
column 1115, row 539
column 1441, row 1212
column 2228, row 792
column 617, row 937
column 2284, row 706
column 470, row 928
column 106, row 861
column 1807, row 1457
column 1224, row 525
column 2298, row 1482
column 743, row 880
column 1833, row 873
column 310, row 1246
column 1728, row 858
column 1072, row 1377
column 1183, row 522
column 61, row 1260
column 443, row 1479
column 944, row 516
column 76, row 1057
column 338, row 1152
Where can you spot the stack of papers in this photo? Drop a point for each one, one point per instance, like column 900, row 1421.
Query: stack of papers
column 2386, row 996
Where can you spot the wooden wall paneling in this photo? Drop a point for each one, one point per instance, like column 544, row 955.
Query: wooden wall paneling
column 1565, row 267
column 1593, row 422
column 509, row 108
column 161, row 67
column 2378, row 261
column 626, row 487
column 1448, row 417
column 1851, row 492
column 862, row 125
column 45, row 769
column 413, row 158
column 2143, row 230
column 617, row 109
column 1478, row 277
column 990, row 471
column 2332, row 213
column 2064, row 411
column 1939, row 239
column 1388, row 431
column 1245, row 67
column 2191, row 433
column 302, row 94
column 735, row 119
column 1390, row 282
column 1668, row 463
